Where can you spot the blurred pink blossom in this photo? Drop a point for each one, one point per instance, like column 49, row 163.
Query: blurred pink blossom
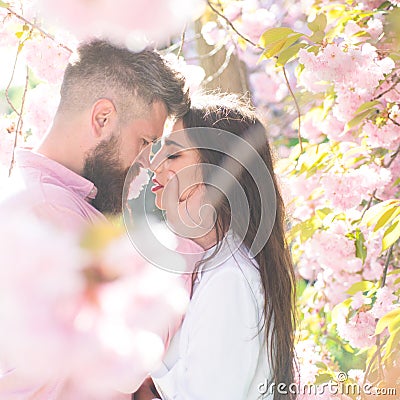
column 255, row 21
column 267, row 86
column 358, row 330
column 106, row 313
column 384, row 302
column 40, row 108
column 347, row 189
column 121, row 21
column 47, row 59
column 213, row 34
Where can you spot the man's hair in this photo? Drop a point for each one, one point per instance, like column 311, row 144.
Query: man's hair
column 132, row 81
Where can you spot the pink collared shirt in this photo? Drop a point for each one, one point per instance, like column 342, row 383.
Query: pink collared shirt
column 51, row 191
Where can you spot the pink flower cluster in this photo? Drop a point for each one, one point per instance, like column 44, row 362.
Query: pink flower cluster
column 386, row 136
column 40, row 107
column 105, row 313
column 267, row 86
column 329, row 258
column 39, row 51
column 128, row 22
column 347, row 189
column 384, row 302
column 355, row 73
column 7, row 138
column 358, row 330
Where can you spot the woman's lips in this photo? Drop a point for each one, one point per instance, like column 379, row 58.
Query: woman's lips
column 157, row 185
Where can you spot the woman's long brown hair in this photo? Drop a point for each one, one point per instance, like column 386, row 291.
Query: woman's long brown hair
column 274, row 261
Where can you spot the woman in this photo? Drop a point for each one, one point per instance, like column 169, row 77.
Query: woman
column 237, row 336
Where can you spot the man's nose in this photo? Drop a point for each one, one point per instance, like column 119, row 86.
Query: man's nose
column 144, row 158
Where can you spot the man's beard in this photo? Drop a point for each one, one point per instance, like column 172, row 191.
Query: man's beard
column 102, row 167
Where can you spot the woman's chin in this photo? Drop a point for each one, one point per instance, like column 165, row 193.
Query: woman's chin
column 158, row 202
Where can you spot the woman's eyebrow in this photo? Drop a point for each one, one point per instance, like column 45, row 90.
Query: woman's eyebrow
column 169, row 142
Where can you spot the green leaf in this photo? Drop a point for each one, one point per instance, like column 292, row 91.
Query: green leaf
column 388, row 216
column 323, row 378
column 317, row 37
column 4, row 4
column 340, row 309
column 323, row 212
column 391, row 234
column 394, row 272
column 304, row 229
column 373, row 215
column 362, row 286
column 318, row 24
column 321, row 365
column 386, row 320
column 275, row 47
column 361, row 250
column 357, row 119
column 366, row 106
column 275, row 35
column 391, row 344
column 289, row 53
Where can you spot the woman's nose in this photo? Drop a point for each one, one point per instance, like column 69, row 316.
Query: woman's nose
column 156, row 164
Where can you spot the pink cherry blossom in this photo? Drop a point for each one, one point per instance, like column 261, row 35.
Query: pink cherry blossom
column 233, row 10
column 40, row 108
column 386, row 136
column 359, row 330
column 39, row 51
column 384, row 302
column 267, row 86
column 156, row 21
column 255, row 22
column 7, row 138
column 359, row 300
column 213, row 34
column 348, row 189
column 93, row 310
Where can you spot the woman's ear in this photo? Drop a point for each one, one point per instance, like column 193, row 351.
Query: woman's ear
column 104, row 116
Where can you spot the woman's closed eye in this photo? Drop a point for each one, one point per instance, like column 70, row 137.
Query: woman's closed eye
column 172, row 156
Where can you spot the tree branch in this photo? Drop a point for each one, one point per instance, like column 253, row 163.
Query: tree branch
column 10, row 82
column 18, row 128
column 396, row 81
column 246, row 39
column 297, row 108
column 392, row 157
column 219, row 13
column 34, row 26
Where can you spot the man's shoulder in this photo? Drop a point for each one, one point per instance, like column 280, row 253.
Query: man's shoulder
column 18, row 192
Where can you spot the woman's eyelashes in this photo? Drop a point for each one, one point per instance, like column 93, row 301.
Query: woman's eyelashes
column 172, row 156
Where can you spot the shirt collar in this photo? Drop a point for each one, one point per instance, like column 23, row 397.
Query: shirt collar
column 229, row 245
column 54, row 172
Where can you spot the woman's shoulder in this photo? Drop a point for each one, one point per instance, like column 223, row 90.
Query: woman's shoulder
column 232, row 258
column 232, row 268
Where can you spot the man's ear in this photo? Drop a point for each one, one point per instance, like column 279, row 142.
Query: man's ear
column 104, row 116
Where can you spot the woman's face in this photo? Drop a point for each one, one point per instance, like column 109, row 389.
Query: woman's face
column 176, row 156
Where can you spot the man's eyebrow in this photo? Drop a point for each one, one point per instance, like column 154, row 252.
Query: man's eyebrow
column 169, row 142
